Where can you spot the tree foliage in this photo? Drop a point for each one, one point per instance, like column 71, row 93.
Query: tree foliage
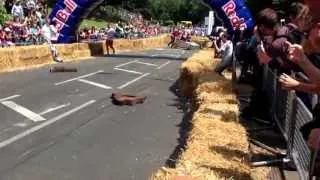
column 178, row 10
column 162, row 10
column 3, row 14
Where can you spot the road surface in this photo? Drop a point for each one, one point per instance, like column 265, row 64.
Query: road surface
column 63, row 126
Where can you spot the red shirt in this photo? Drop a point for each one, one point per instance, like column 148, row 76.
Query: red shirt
column 176, row 34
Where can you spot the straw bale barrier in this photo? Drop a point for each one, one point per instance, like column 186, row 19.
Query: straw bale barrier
column 217, row 145
column 191, row 70
column 204, row 42
column 23, row 57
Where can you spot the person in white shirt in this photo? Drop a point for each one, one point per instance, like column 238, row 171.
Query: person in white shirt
column 50, row 34
column 38, row 13
column 111, row 34
column 226, row 51
column 17, row 10
column 31, row 5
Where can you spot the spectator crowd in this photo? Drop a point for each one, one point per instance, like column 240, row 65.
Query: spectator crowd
column 123, row 30
column 290, row 45
column 30, row 26
column 29, row 20
column 29, row 16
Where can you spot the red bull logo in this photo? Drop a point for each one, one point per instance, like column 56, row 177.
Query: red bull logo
column 63, row 15
column 230, row 9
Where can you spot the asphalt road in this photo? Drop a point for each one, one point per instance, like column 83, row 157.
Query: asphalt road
column 63, row 126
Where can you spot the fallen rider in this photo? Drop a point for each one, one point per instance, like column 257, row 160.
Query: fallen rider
column 50, row 34
column 124, row 99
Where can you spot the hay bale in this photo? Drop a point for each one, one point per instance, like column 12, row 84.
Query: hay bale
column 218, row 86
column 204, row 42
column 7, row 58
column 31, row 56
column 221, row 111
column 217, row 147
column 122, row 44
column 96, row 48
column 138, row 44
column 82, row 46
column 212, row 98
column 192, row 69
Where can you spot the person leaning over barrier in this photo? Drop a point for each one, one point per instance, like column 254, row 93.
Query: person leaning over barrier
column 296, row 53
column 273, row 37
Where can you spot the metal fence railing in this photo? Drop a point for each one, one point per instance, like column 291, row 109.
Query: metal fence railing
column 290, row 113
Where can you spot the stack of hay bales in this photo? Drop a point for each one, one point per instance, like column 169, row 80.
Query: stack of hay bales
column 139, row 44
column 204, row 42
column 32, row 56
column 217, row 146
column 191, row 70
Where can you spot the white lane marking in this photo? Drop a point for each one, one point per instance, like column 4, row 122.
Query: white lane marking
column 148, row 64
column 128, row 71
column 40, row 126
column 95, row 84
column 80, row 77
column 124, row 64
column 23, row 111
column 54, row 109
column 166, row 56
column 21, row 125
column 163, row 65
column 133, row 81
column 10, row 98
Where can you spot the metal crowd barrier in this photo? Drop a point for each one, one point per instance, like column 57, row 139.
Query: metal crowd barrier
column 290, row 113
column 300, row 152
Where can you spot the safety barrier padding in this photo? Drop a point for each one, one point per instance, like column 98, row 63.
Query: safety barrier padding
column 195, row 67
column 32, row 56
column 217, row 145
column 204, row 42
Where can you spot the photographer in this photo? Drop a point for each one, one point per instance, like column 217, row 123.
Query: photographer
column 226, row 51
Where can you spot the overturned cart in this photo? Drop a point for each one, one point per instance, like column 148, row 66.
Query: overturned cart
column 179, row 44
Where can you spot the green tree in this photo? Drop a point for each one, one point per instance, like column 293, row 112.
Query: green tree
column 3, row 14
column 162, row 10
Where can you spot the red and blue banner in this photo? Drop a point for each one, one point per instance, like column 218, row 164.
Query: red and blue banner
column 234, row 13
column 68, row 15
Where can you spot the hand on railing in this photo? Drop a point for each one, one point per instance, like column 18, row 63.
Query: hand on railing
column 288, row 83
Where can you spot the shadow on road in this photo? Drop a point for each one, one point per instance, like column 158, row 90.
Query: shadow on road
column 185, row 125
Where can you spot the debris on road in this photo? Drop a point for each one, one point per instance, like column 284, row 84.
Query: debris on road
column 62, row 69
column 124, row 99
